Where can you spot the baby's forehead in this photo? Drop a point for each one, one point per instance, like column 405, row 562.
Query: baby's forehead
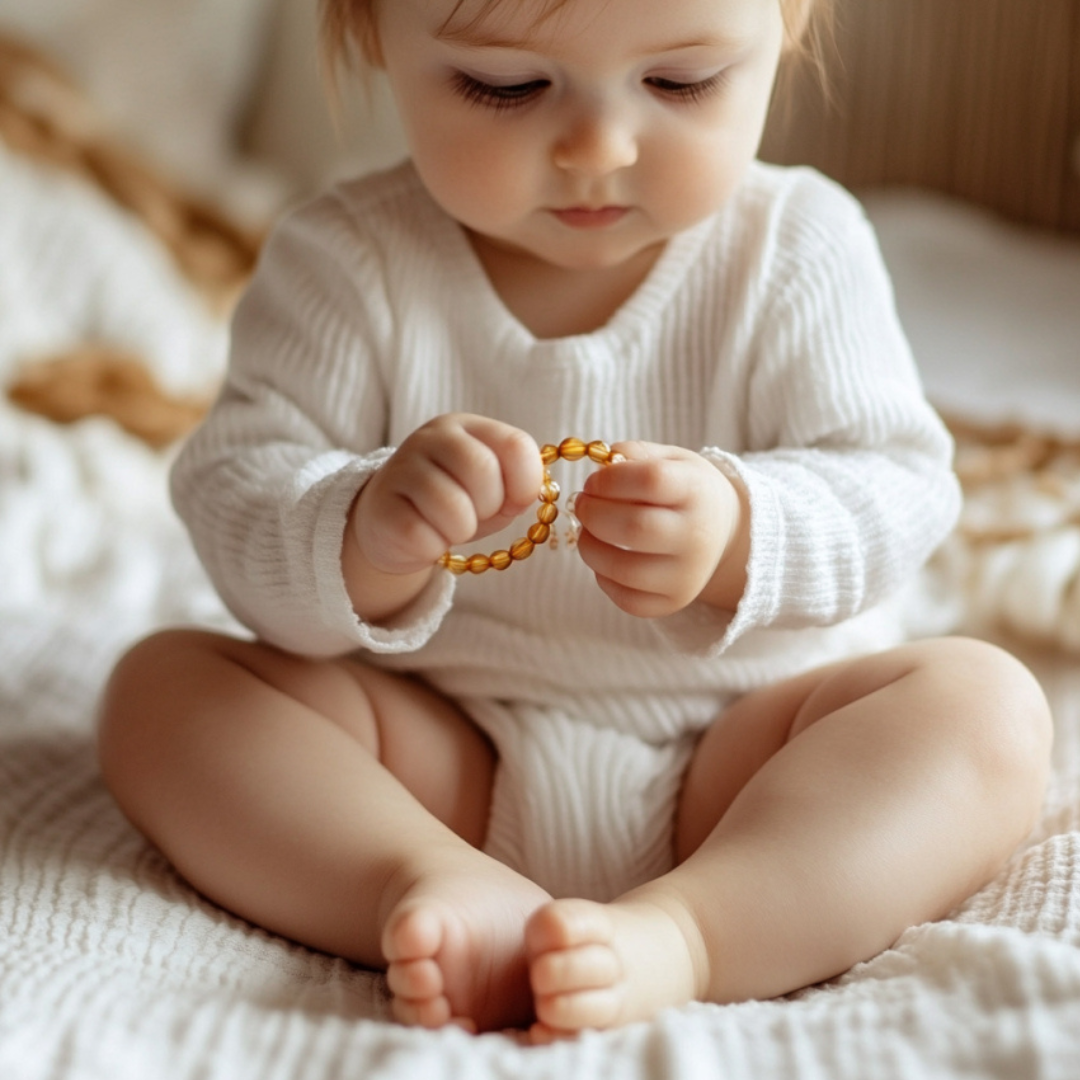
column 529, row 23
column 490, row 21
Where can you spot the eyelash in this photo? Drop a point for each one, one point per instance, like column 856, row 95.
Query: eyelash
column 691, row 92
column 501, row 98
column 498, row 98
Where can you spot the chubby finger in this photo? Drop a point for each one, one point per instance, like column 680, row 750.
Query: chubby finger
column 518, row 456
column 637, row 570
column 632, row 526
column 440, row 501
column 659, row 479
column 496, row 466
column 644, row 605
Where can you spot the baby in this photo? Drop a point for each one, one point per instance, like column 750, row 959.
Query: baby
column 682, row 755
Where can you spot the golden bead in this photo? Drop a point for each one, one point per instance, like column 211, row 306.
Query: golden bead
column 572, row 449
column 521, row 549
column 549, row 493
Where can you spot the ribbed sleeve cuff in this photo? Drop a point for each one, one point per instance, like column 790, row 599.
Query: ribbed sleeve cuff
column 702, row 629
column 412, row 626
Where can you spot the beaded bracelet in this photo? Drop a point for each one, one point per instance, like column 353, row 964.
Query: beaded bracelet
column 546, row 513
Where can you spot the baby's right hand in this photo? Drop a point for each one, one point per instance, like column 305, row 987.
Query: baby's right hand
column 457, row 478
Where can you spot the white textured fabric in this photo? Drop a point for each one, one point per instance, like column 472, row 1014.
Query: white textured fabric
column 765, row 338
column 581, row 805
column 75, row 268
column 990, row 308
column 111, row 968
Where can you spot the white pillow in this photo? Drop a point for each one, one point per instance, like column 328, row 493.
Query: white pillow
column 173, row 75
column 992, row 309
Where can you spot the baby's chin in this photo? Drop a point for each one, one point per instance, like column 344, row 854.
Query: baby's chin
column 585, row 253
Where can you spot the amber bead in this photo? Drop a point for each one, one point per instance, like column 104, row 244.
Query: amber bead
column 521, row 549
column 572, row 449
column 547, row 512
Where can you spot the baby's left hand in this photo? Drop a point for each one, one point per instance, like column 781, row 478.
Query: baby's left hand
column 656, row 527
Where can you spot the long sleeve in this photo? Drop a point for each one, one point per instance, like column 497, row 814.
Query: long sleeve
column 266, row 483
column 847, row 468
column 765, row 338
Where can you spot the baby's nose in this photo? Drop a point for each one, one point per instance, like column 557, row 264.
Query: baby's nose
column 597, row 142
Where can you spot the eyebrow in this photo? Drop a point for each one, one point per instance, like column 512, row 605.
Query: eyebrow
column 727, row 42
column 476, row 37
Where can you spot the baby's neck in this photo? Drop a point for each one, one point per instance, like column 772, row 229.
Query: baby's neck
column 553, row 302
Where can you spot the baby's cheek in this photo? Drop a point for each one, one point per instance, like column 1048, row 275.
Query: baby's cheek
column 695, row 178
column 476, row 183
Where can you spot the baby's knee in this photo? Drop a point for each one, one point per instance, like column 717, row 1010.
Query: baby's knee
column 131, row 714
column 150, row 665
column 997, row 707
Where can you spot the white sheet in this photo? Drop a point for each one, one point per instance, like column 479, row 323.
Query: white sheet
column 112, row 968
column 992, row 309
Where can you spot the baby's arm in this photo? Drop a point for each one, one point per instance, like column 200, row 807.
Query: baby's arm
column 836, row 454
column 456, row 478
column 663, row 529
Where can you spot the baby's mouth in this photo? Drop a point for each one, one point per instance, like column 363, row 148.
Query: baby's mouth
column 587, row 217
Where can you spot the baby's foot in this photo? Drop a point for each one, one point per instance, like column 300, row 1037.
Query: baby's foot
column 454, row 943
column 602, row 965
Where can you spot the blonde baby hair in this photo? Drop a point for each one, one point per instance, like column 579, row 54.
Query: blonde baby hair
column 350, row 40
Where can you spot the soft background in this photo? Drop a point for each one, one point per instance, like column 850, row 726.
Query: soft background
column 958, row 121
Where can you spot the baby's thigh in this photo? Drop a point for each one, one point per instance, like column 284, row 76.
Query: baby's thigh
column 433, row 748
column 420, row 736
column 181, row 684
column 945, row 692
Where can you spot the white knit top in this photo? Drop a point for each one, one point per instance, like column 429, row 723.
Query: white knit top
column 765, row 338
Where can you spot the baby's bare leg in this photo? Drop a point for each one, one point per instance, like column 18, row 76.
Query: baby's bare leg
column 818, row 820
column 329, row 802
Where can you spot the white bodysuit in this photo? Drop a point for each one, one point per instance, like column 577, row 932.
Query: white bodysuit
column 765, row 338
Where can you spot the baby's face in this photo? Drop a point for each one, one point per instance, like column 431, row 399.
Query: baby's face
column 587, row 137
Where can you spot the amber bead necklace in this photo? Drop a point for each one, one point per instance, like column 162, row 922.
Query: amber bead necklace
column 546, row 513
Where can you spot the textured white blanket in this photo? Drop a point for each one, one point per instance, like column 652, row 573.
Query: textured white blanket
column 112, row 968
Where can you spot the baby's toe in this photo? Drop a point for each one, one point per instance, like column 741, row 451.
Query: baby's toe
column 417, row 980
column 429, row 1013
column 589, row 967
column 564, row 924
column 412, row 933
column 581, row 1010
column 539, row 1034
